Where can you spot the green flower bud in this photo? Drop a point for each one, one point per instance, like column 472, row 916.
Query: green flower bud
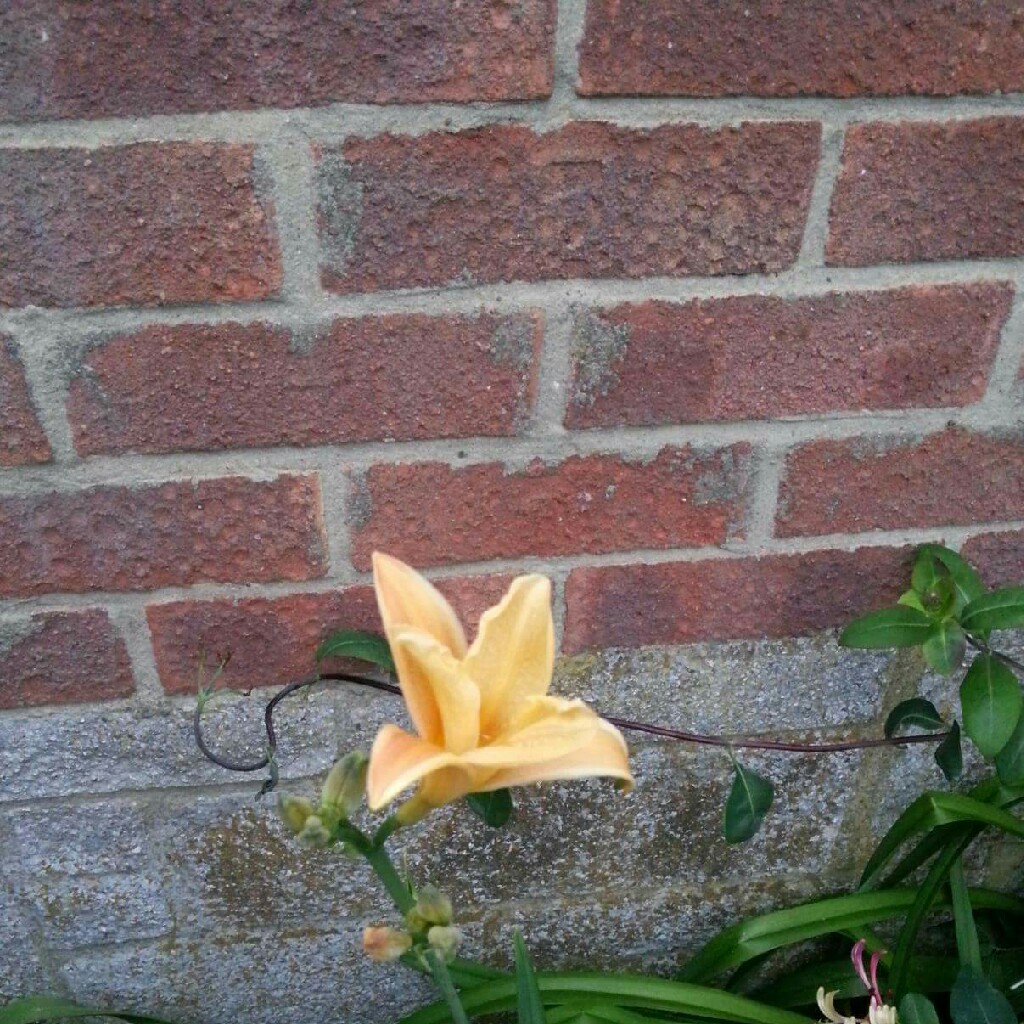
column 294, row 811
column 315, row 832
column 345, row 784
column 445, row 939
column 433, row 906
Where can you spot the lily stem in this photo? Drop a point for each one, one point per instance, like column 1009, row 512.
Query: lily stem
column 443, row 980
column 383, row 867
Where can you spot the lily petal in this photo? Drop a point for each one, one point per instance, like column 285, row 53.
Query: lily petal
column 455, row 695
column 513, row 654
column 604, row 754
column 399, row 760
column 407, row 600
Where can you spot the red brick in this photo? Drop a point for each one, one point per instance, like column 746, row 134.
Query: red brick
column 947, row 479
column 62, row 658
column 273, row 640
column 431, row 514
column 757, row 357
column 22, row 440
column 911, row 192
column 814, row 47
column 726, row 599
column 126, row 57
column 588, row 200
column 119, row 538
column 195, row 387
column 135, row 225
column 999, row 557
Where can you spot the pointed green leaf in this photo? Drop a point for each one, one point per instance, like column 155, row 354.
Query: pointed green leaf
column 531, row 1006
column 354, row 643
column 991, row 701
column 891, row 627
column 912, row 599
column 1010, row 760
column 949, row 755
column 966, row 580
column 945, row 648
column 974, row 1001
column 927, row 571
column 1001, row 609
column 495, row 808
column 39, row 1009
column 749, row 801
column 915, row 1008
column 916, row 711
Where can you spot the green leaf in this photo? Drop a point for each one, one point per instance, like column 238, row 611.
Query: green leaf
column 945, row 648
column 495, row 808
column 949, row 755
column 630, row 991
column 963, row 918
column 46, row 1008
column 974, row 1001
column 531, row 1007
column 799, row 986
column 927, row 571
column 912, row 599
column 748, row 802
column 354, row 643
column 915, row 1008
column 965, row 579
column 891, row 627
column 1010, row 760
column 991, row 699
column 1001, row 609
column 916, row 711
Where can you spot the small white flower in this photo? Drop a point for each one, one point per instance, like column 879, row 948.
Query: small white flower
column 827, row 1005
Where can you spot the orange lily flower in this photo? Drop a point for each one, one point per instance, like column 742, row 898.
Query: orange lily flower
column 482, row 715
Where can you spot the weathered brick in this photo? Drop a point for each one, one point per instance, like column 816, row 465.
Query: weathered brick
column 588, row 200
column 817, row 47
column 999, row 557
column 910, row 192
column 62, row 658
column 946, row 479
column 172, row 534
column 139, row 225
column 273, row 640
column 724, row 599
column 123, row 58
column 757, row 357
column 22, row 440
column 196, row 387
column 431, row 514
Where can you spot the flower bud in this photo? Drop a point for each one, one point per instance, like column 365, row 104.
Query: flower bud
column 295, row 810
column 433, row 906
column 445, row 939
column 315, row 832
column 345, row 785
column 383, row 944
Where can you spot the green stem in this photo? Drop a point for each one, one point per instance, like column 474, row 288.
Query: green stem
column 443, row 980
column 378, row 859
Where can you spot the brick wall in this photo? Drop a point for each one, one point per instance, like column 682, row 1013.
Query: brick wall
column 678, row 304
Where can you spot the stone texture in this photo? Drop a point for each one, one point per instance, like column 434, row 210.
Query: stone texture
column 758, row 357
column 999, row 557
column 274, row 640
column 588, row 200
column 22, row 438
column 23, row 970
column 147, row 224
column 431, row 514
column 820, row 47
column 124, row 58
column 859, row 484
column 62, row 658
column 204, row 388
column 727, row 598
column 120, row 538
column 929, row 191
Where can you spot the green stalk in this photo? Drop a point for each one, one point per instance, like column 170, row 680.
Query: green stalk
column 378, row 859
column 443, row 980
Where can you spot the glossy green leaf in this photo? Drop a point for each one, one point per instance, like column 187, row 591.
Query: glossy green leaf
column 915, row 1008
column 916, row 711
column 974, row 1001
column 945, row 647
column 531, row 1006
column 35, row 1009
column 965, row 578
column 949, row 755
column 749, row 800
column 362, row 646
column 891, row 627
column 494, row 808
column 967, row 944
column 1010, row 760
column 927, row 571
column 912, row 599
column 1000, row 609
column 597, row 1015
column 991, row 701
column 629, row 991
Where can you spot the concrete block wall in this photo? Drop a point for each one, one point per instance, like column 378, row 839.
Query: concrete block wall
column 708, row 311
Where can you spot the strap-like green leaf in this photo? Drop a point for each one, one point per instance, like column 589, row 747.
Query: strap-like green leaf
column 39, row 1009
column 749, row 800
column 991, row 702
column 531, row 1006
column 1001, row 609
column 963, row 918
column 900, row 626
column 357, row 644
